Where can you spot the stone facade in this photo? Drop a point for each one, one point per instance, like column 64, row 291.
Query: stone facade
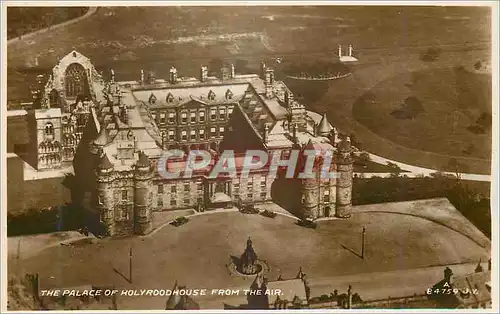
column 136, row 122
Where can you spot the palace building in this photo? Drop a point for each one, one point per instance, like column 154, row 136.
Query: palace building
column 114, row 133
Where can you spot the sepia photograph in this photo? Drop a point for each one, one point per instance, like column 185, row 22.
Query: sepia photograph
column 249, row 156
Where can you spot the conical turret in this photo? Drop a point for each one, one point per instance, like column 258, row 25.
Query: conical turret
column 324, row 126
column 103, row 138
column 105, row 165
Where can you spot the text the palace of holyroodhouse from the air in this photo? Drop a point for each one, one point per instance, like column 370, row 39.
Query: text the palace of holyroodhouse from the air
column 115, row 132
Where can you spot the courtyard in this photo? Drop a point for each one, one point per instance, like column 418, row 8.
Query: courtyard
column 196, row 254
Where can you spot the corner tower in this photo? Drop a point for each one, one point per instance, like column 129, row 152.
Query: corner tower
column 105, row 196
column 344, row 162
column 143, row 186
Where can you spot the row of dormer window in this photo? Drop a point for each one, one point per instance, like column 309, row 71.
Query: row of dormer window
column 170, row 97
column 193, row 116
column 194, row 134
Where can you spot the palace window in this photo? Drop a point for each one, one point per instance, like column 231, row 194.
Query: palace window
column 160, row 188
column 263, row 195
column 263, row 182
column 184, row 117
column 186, row 201
column 212, row 131
column 171, row 117
column 192, row 134
column 250, row 186
column 159, row 202
column 124, row 195
column 229, row 112
column 213, row 114
column 183, row 135
column 192, row 117
column 173, row 189
column 199, row 186
column 49, row 128
column 249, row 196
column 202, row 134
column 221, row 131
column 173, row 202
column 187, row 187
column 154, row 117
column 201, row 115
column 171, row 135
column 124, row 214
column 162, row 118
column 326, row 196
column 222, row 113
column 236, row 188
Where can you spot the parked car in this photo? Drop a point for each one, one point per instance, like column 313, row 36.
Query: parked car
column 268, row 213
column 249, row 209
column 179, row 221
column 307, row 223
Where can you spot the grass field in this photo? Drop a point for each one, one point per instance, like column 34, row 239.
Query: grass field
column 427, row 143
column 452, row 101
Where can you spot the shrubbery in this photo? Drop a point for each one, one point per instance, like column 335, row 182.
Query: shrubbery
column 317, row 70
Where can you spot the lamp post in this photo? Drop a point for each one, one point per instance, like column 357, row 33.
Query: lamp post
column 130, row 265
column 363, row 243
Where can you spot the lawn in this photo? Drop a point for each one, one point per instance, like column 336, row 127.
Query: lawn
column 429, row 143
column 452, row 101
column 196, row 253
column 22, row 20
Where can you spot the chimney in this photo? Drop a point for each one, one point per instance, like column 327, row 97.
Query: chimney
column 232, row 71
column 203, row 74
column 263, row 69
column 294, row 133
column 265, row 136
column 151, row 77
column 340, row 51
column 142, row 76
column 269, row 80
column 350, row 50
column 288, row 98
column 173, row 75
column 123, row 114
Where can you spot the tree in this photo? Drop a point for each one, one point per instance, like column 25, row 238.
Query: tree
column 457, row 168
column 395, row 169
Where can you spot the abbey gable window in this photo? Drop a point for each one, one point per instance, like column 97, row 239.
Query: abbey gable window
column 76, row 80
column 49, row 128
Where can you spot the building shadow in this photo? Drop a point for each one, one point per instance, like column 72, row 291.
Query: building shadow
column 286, row 193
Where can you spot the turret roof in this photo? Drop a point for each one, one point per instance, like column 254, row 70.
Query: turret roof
column 105, row 163
column 103, row 137
column 143, row 160
column 344, row 145
column 324, row 126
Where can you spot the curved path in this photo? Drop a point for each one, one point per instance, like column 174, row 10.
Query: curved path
column 413, row 171
column 90, row 12
column 368, row 77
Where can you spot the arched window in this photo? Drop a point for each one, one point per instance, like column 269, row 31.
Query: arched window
column 49, row 128
column 54, row 98
column 76, row 80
